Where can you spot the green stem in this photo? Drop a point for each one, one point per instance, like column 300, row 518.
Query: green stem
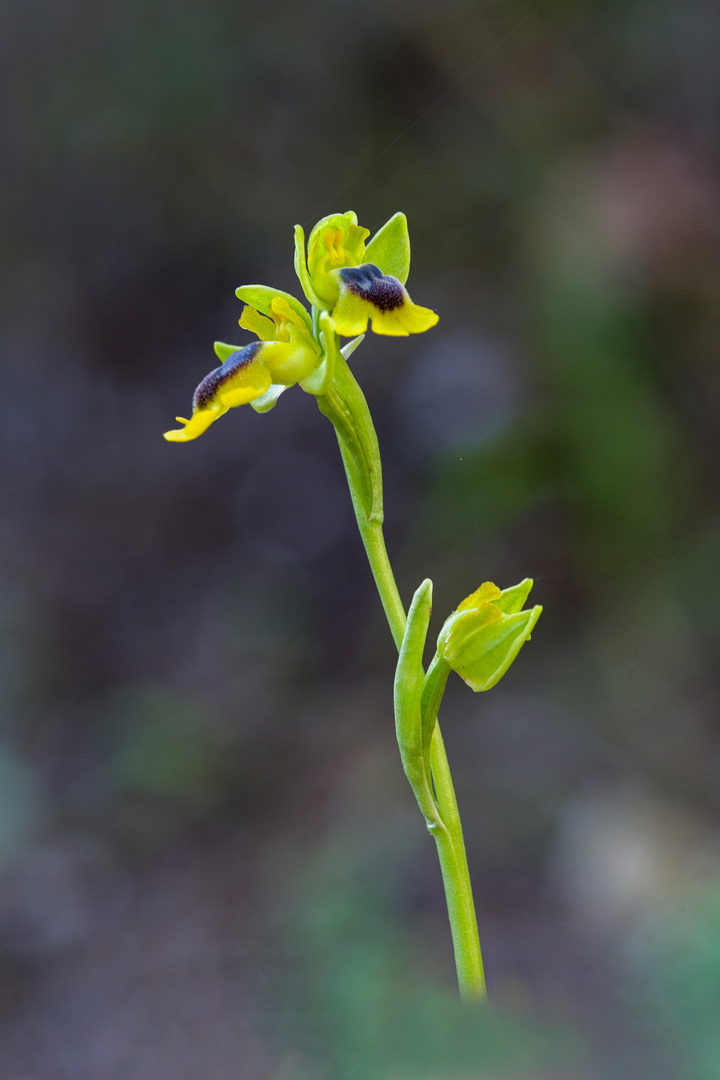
column 449, row 840
column 451, row 845
column 374, row 541
column 456, row 878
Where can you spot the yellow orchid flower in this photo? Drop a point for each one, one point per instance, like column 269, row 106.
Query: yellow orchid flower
column 356, row 283
column 286, row 353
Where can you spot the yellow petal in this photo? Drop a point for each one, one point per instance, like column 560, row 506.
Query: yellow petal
column 285, row 317
column 485, row 594
column 258, row 324
column 335, row 241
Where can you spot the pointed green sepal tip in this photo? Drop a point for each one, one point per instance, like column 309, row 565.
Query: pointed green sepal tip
column 482, row 638
column 223, row 351
column 390, row 248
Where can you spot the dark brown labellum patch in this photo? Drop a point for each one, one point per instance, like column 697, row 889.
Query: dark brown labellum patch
column 369, row 283
column 210, row 385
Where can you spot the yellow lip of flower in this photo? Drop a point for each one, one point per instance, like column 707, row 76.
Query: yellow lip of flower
column 249, row 373
column 365, row 293
column 286, row 353
column 239, row 380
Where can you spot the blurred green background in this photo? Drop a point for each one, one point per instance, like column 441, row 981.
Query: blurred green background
column 210, row 862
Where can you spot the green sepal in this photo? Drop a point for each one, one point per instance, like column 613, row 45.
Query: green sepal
column 301, row 268
column 390, row 248
column 512, row 599
column 268, row 400
column 261, row 297
column 407, row 692
column 481, row 639
column 223, row 350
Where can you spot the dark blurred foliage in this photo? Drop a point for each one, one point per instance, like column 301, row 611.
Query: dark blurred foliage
column 211, row 864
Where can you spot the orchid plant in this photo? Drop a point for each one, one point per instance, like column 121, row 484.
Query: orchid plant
column 348, row 284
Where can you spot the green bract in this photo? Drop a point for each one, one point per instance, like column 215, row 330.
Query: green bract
column 409, row 677
column 482, row 638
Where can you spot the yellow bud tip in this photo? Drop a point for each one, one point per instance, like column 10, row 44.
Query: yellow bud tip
column 487, row 592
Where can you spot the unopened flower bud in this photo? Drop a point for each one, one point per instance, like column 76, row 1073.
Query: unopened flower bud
column 482, row 638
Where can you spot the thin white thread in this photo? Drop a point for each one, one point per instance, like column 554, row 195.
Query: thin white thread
column 429, row 109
